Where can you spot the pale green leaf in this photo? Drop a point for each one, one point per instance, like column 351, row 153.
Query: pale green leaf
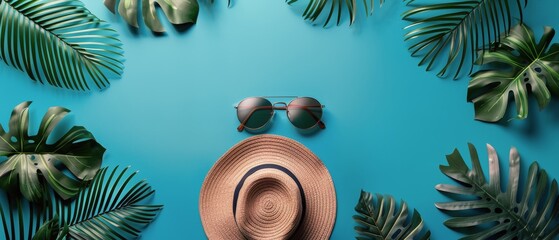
column 529, row 211
column 177, row 11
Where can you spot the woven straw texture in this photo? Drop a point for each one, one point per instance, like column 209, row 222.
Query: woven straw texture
column 270, row 203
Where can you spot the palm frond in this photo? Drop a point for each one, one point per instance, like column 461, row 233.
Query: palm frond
column 530, row 212
column 334, row 8
column 519, row 66
column 381, row 218
column 59, row 42
column 22, row 219
column 51, row 230
column 177, row 11
column 111, row 207
column 456, row 30
column 31, row 158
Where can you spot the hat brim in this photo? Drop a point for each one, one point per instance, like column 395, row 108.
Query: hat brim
column 217, row 193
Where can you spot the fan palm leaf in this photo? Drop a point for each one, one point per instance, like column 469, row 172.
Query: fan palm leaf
column 379, row 217
column 110, row 207
column 530, row 212
column 31, row 159
column 177, row 11
column 529, row 67
column 456, row 30
column 59, row 42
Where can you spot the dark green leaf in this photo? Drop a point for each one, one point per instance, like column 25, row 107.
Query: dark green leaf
column 51, row 230
column 31, row 158
column 60, row 42
column 112, row 206
column 530, row 212
column 452, row 32
column 110, row 209
column 381, row 218
column 177, row 11
column 519, row 66
column 21, row 219
column 315, row 8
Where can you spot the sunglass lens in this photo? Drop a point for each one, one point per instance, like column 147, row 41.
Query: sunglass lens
column 255, row 112
column 304, row 112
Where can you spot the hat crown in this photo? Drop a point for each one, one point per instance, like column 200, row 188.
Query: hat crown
column 269, row 205
column 221, row 203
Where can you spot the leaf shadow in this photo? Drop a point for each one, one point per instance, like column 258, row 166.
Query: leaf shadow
column 133, row 30
column 527, row 127
column 553, row 108
column 182, row 28
column 207, row 6
column 62, row 128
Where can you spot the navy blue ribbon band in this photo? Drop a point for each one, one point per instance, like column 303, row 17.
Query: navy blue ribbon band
column 269, row 166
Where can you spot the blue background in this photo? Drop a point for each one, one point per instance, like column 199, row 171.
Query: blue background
column 389, row 123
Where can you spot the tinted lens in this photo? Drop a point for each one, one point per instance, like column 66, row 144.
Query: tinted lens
column 304, row 112
column 257, row 110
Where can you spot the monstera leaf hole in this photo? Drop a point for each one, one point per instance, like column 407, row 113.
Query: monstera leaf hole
column 34, row 161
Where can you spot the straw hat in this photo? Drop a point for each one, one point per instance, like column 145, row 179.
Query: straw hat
column 268, row 187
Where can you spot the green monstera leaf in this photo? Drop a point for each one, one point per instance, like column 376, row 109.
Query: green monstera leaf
column 528, row 212
column 520, row 66
column 177, row 11
column 32, row 158
column 453, row 31
column 112, row 206
column 379, row 217
column 59, row 42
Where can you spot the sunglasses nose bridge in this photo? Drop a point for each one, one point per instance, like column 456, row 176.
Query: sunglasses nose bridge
column 279, row 106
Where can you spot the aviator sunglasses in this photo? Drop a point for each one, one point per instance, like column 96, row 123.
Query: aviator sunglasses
column 254, row 113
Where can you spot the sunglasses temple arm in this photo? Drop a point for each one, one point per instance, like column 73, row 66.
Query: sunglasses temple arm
column 320, row 123
column 241, row 126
